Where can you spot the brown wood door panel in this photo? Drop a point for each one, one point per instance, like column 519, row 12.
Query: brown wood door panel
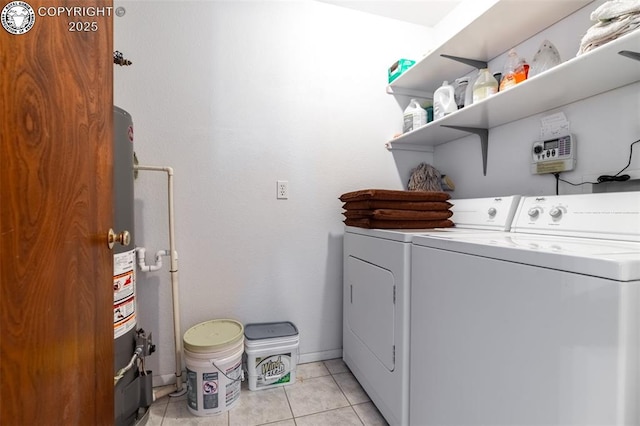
column 56, row 323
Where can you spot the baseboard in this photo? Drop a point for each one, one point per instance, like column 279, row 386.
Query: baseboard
column 319, row 356
column 167, row 379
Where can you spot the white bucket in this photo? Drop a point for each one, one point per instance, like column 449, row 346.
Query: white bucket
column 213, row 355
column 271, row 358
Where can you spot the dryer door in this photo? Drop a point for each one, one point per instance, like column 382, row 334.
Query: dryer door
column 371, row 311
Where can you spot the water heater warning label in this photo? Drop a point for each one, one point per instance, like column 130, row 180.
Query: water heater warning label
column 124, row 275
column 124, row 289
column 124, row 317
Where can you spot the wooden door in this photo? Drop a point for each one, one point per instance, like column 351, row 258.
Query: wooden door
column 56, row 327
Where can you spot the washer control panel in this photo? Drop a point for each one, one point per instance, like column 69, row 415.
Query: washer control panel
column 603, row 215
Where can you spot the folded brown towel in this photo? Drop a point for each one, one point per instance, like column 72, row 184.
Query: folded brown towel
column 397, row 205
column 389, row 214
column 390, row 194
column 398, row 224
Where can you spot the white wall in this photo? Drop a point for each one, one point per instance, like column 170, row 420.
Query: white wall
column 236, row 95
column 604, row 127
column 462, row 15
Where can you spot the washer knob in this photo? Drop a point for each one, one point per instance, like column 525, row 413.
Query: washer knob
column 555, row 212
column 492, row 211
column 534, row 212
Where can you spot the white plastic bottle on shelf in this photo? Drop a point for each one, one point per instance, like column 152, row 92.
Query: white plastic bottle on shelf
column 484, row 86
column 414, row 116
column 468, row 94
column 444, row 101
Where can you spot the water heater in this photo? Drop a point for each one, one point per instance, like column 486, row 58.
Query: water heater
column 133, row 387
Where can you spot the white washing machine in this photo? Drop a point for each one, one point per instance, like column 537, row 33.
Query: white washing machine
column 537, row 326
column 376, row 300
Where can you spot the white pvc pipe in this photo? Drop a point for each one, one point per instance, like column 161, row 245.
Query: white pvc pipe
column 162, row 391
column 173, row 271
column 142, row 262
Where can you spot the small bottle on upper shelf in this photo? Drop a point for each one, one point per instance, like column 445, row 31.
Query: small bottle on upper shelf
column 484, row 86
column 515, row 71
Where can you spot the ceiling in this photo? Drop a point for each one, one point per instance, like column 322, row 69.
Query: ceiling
column 421, row 12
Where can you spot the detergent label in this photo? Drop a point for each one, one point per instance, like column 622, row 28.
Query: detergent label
column 209, row 390
column 192, row 389
column 275, row 369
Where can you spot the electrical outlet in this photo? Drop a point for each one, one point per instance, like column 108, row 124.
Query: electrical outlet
column 282, row 190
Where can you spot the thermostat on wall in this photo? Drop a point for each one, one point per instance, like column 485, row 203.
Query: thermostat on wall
column 553, row 155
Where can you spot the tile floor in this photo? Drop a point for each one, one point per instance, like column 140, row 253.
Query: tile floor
column 325, row 393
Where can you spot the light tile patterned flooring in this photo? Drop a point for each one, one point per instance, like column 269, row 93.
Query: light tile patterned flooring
column 325, row 393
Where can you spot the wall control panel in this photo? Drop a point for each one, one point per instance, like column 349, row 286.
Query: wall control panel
column 553, row 155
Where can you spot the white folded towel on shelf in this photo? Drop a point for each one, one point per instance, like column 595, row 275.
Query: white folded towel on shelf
column 602, row 33
column 613, row 19
column 614, row 8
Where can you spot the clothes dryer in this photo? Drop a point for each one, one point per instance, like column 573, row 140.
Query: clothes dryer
column 537, row 326
column 377, row 290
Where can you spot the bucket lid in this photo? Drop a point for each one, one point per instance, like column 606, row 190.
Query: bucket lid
column 212, row 335
column 270, row 330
